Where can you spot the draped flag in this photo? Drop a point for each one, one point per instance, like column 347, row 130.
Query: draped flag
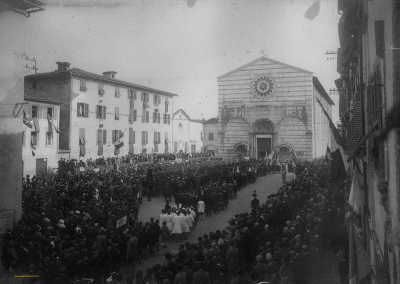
column 27, row 121
column 339, row 157
column 51, row 123
column 120, row 141
column 360, row 266
column 36, row 123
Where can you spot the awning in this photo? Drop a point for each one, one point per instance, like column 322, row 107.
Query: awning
column 362, row 141
column 145, row 105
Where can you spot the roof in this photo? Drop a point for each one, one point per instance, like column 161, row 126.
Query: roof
column 24, row 8
column 39, row 96
column 263, row 58
column 213, row 120
column 82, row 73
column 187, row 116
column 320, row 88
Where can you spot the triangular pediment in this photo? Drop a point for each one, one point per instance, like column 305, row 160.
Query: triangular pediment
column 264, row 59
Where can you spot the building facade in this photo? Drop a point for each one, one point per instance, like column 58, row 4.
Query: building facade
column 40, row 135
column 268, row 105
column 210, row 136
column 369, row 67
column 187, row 133
column 97, row 109
column 13, row 26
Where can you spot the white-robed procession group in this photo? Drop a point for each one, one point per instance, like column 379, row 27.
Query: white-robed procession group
column 179, row 221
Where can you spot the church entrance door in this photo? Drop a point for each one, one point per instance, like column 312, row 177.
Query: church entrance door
column 264, row 145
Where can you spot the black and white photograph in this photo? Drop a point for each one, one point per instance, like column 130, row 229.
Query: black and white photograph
column 200, row 141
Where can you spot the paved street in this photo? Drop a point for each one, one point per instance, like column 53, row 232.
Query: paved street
column 325, row 266
column 264, row 187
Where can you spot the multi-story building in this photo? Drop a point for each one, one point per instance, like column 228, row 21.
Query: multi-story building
column 187, row 133
column 40, row 133
column 369, row 85
column 210, row 136
column 268, row 105
column 97, row 109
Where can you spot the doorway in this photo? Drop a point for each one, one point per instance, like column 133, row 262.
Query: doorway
column 264, row 146
column 41, row 166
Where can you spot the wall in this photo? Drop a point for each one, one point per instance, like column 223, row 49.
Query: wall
column 91, row 123
column 12, row 46
column 321, row 132
column 210, row 144
column 289, row 108
column 50, row 153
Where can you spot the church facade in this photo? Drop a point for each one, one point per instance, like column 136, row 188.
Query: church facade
column 266, row 106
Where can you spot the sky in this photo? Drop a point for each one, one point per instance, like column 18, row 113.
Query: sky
column 182, row 46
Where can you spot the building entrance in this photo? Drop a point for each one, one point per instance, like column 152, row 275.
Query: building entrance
column 264, row 146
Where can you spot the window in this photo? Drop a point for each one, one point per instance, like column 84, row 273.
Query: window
column 180, row 125
column 193, row 148
column 117, row 93
column 101, row 112
column 35, row 111
column 115, row 135
column 165, row 119
column 49, row 138
column 82, row 86
column 147, row 116
column 132, row 137
column 83, row 110
column 211, row 136
column 23, row 138
column 157, row 137
column 175, row 147
column 101, row 90
column 145, row 97
column 156, row 99
column 34, row 140
column 132, row 94
column 156, row 117
column 145, row 137
column 50, row 112
column 166, row 106
column 144, row 151
column 117, row 113
column 101, row 137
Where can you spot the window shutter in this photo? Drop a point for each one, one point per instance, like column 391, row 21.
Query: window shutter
column 104, row 112
column 86, row 110
column 143, row 137
column 147, row 137
column 98, row 112
column 113, row 136
column 147, row 116
column 99, row 137
column 104, row 137
column 142, row 97
column 154, row 117
column 131, row 102
column 135, row 115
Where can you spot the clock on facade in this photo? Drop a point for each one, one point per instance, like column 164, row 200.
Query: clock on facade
column 263, row 86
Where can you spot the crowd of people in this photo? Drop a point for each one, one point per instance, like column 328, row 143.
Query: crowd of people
column 85, row 226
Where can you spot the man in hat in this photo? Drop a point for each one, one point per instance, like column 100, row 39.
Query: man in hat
column 255, row 203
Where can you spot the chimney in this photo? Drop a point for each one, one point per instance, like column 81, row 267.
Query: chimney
column 109, row 74
column 63, row 66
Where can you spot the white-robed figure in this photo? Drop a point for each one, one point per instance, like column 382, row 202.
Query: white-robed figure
column 177, row 226
column 162, row 217
column 169, row 219
column 201, row 207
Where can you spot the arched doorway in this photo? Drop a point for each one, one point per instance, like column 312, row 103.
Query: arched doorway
column 262, row 138
column 241, row 150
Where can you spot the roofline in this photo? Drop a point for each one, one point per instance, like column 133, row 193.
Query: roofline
column 317, row 84
column 188, row 117
column 263, row 58
column 42, row 100
column 100, row 78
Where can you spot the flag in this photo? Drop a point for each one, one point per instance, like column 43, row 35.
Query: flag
column 27, row 121
column 356, row 195
column 338, row 145
column 120, row 141
column 36, row 123
column 328, row 154
column 51, row 123
column 359, row 264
